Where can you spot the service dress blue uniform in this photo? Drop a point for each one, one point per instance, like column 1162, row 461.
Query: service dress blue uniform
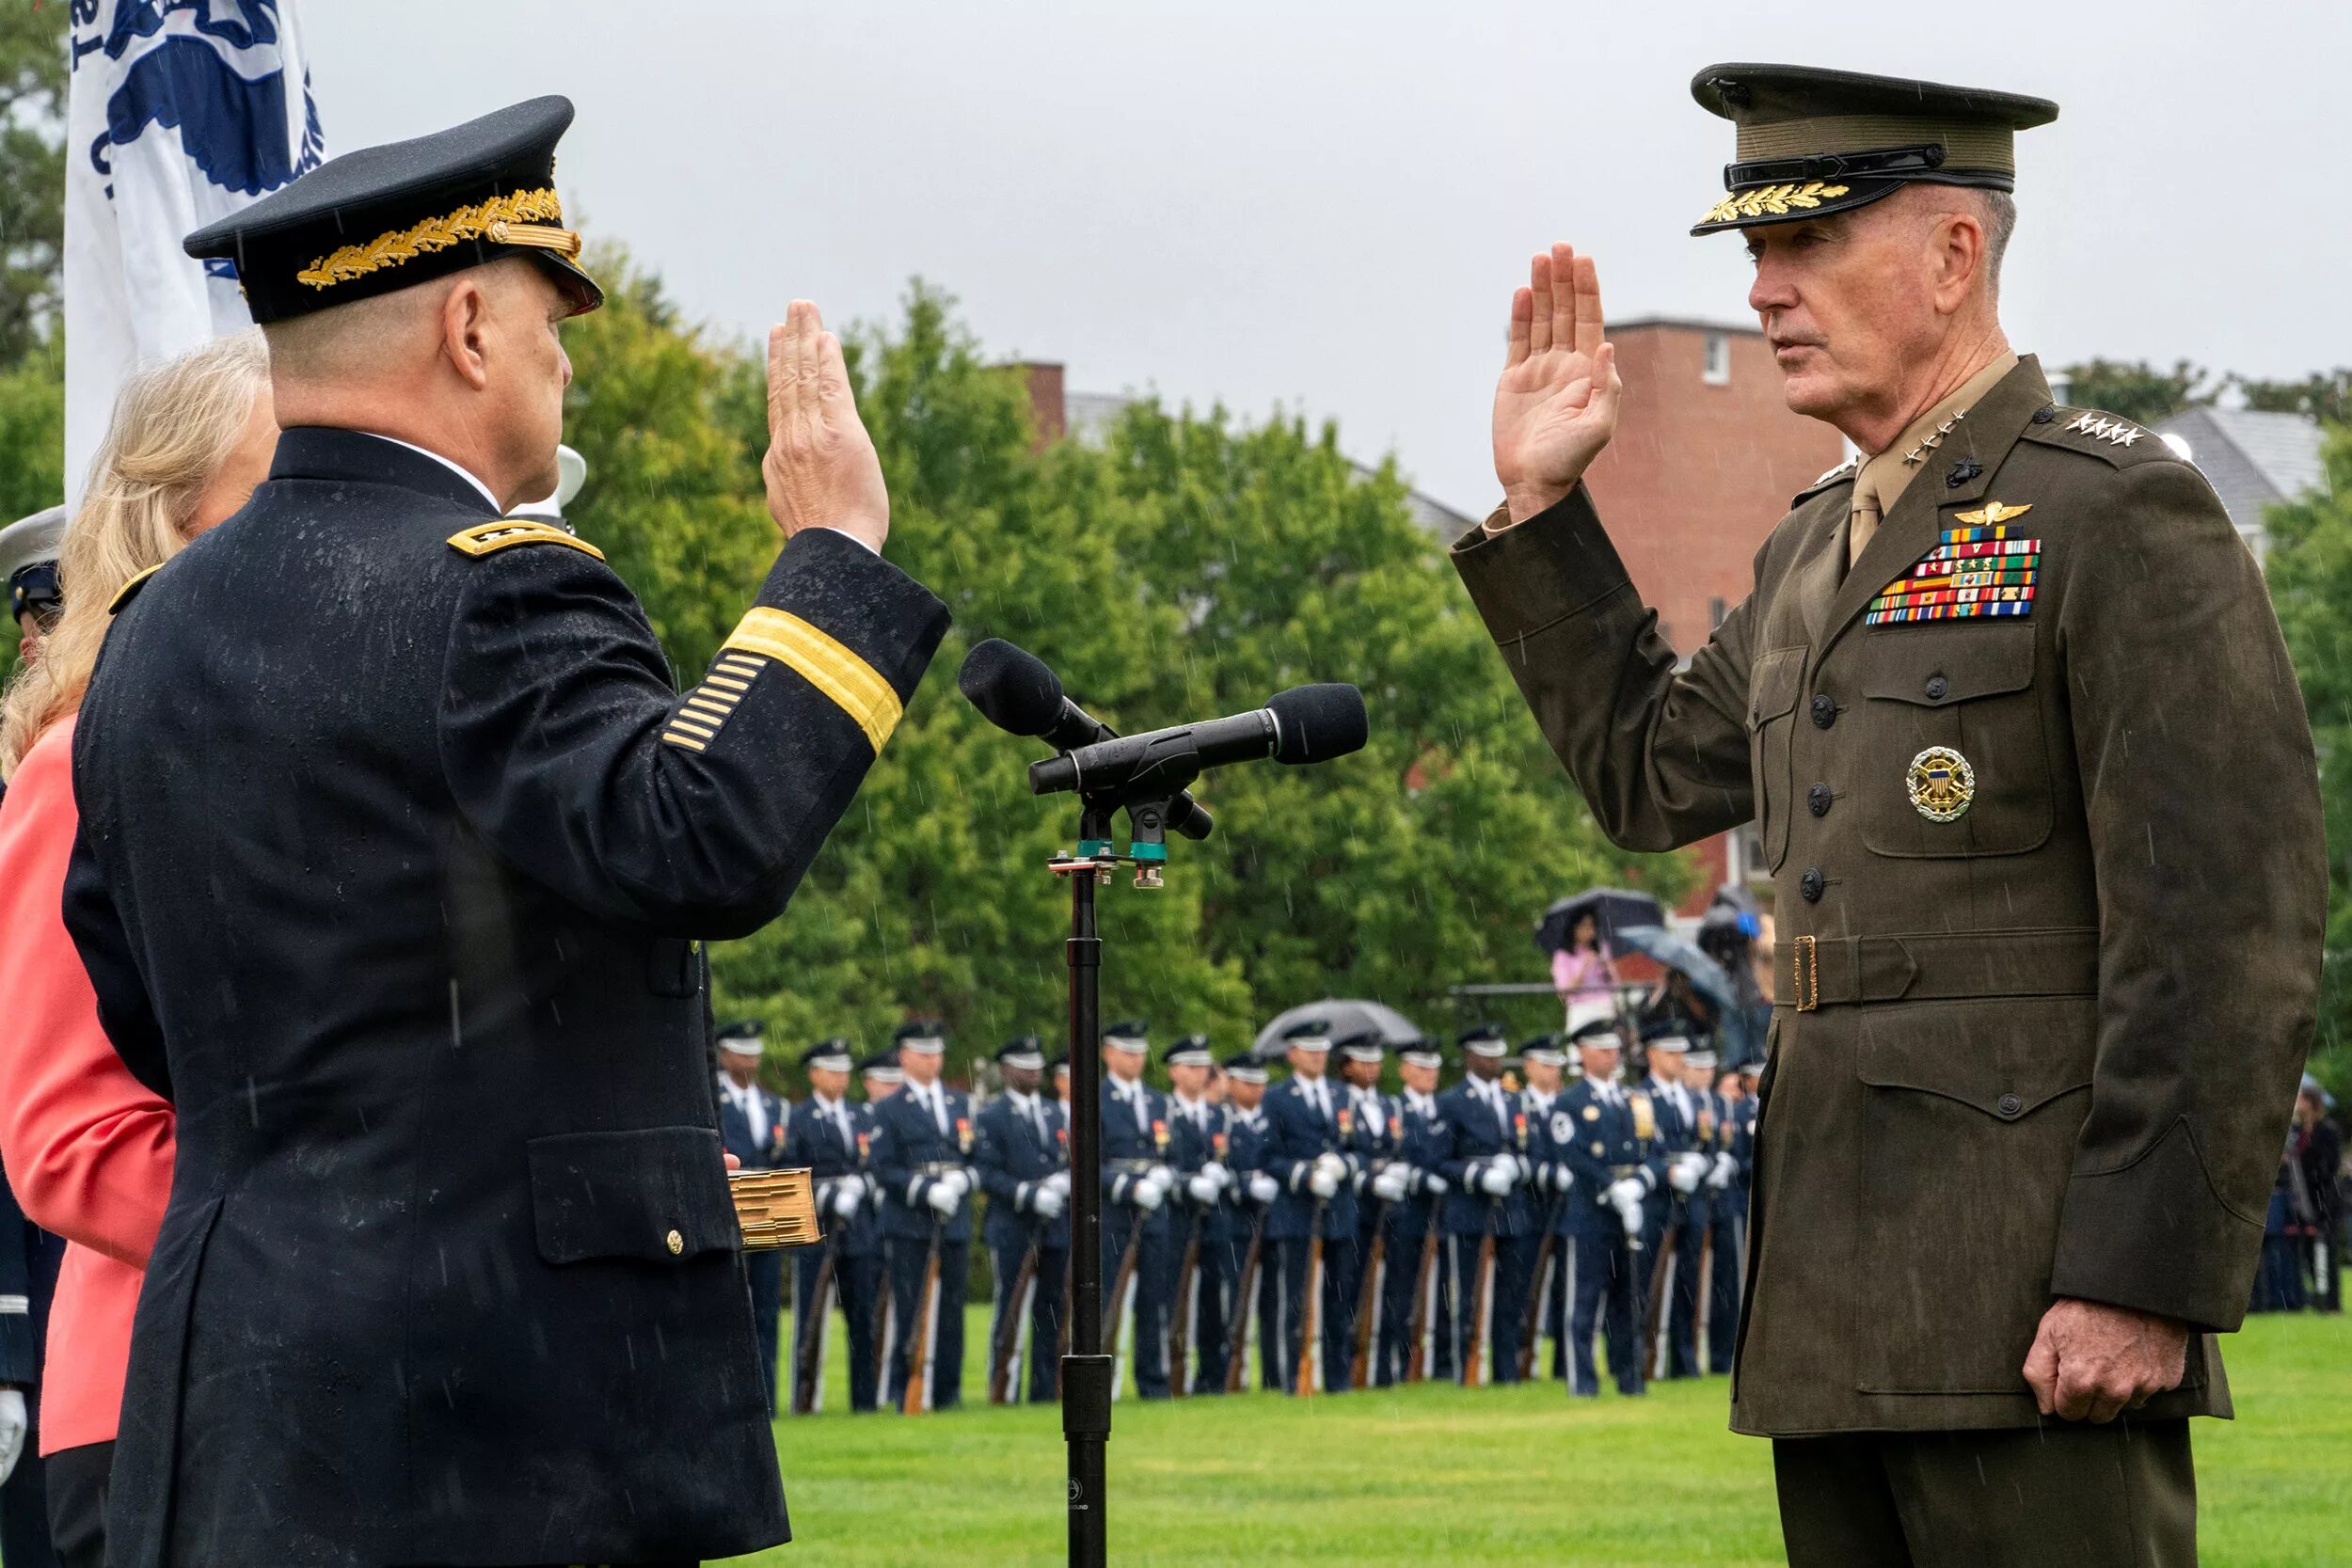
column 1136, row 1139
column 1197, row 1138
column 922, row 1137
column 752, row 1128
column 1608, row 1146
column 1308, row 1119
column 1421, row 1145
column 1549, row 1132
column 1482, row 1129
column 1249, row 1138
column 1022, row 1143
column 29, row 1257
column 1685, row 1126
column 832, row 1140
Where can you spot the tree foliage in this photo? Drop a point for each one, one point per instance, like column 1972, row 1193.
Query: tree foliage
column 1189, row 566
column 32, row 169
column 2137, row 390
column 2310, row 569
column 2324, row 395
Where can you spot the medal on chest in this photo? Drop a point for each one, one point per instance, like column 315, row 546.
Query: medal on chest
column 1218, row 1142
column 1159, row 1133
column 1644, row 1119
column 1347, row 1122
column 963, row 1133
column 1518, row 1128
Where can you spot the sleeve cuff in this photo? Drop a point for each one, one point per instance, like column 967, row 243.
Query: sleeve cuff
column 2155, row 1237
column 1533, row 574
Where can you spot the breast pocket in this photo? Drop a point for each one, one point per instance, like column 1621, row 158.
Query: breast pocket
column 1773, row 687
column 1955, row 761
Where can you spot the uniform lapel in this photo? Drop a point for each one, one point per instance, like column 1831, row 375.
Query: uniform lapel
column 1957, row 472
column 1822, row 571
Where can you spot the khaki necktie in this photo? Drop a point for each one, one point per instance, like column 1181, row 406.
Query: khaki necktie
column 1864, row 521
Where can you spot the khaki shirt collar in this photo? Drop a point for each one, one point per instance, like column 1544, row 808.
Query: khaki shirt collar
column 1882, row 478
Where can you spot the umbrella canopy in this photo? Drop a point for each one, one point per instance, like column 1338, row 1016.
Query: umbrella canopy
column 1343, row 1017
column 1707, row 976
column 1613, row 910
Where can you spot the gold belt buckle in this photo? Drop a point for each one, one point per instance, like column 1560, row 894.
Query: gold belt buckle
column 1806, row 961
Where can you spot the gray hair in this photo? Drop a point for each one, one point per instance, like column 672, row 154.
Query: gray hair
column 1998, row 209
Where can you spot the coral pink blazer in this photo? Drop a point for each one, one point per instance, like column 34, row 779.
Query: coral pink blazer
column 88, row 1146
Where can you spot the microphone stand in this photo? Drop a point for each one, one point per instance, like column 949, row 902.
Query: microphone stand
column 1085, row 1370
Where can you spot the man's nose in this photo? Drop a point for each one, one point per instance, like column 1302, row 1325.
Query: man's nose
column 568, row 364
column 1771, row 291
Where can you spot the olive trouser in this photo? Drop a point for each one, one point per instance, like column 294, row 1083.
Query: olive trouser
column 2062, row 1495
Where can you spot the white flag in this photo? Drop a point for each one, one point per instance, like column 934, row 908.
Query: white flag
column 182, row 111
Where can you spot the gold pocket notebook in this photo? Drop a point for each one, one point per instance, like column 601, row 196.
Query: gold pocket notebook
column 775, row 1208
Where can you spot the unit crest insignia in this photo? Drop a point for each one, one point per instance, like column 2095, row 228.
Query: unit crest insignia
column 1942, row 784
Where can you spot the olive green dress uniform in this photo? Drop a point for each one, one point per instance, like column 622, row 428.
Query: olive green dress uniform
column 2050, row 866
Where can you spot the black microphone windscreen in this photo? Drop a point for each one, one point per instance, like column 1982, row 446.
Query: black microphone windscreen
column 1011, row 686
column 1318, row 722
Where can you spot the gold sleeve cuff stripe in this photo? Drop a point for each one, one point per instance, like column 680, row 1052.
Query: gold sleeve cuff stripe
column 694, row 727
column 711, row 712
column 736, row 664
column 739, row 687
column 676, row 738
column 489, row 538
column 852, row 685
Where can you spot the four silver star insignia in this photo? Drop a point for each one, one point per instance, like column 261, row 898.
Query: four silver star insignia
column 2113, row 430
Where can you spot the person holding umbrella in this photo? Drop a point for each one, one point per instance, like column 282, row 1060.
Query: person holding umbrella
column 1583, row 968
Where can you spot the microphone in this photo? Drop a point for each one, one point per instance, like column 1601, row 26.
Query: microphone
column 1016, row 692
column 1307, row 724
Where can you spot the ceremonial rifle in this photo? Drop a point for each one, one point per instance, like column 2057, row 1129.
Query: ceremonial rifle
column 1311, row 1310
column 1531, row 1317
column 1122, row 1285
column 1004, row 1344
column 1368, row 1301
column 1424, row 1300
column 1180, row 1310
column 925, row 1324
column 1244, row 1308
column 1482, row 1302
column 808, row 1338
column 1656, row 1317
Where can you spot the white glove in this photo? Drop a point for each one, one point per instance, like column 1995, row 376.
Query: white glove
column 1323, row 1181
column 1046, row 1201
column 1624, row 1192
column 1684, row 1173
column 957, row 1181
column 1329, row 1162
column 12, row 1424
column 854, row 1184
column 1498, row 1179
column 1720, row 1177
column 943, row 1196
column 1264, row 1188
column 1215, row 1170
column 845, row 1199
column 1390, row 1185
column 1435, row 1183
column 1202, row 1188
column 1059, row 1181
column 1147, row 1194
column 1164, row 1176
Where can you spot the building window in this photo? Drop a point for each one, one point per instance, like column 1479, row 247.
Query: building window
column 1716, row 610
column 1718, row 370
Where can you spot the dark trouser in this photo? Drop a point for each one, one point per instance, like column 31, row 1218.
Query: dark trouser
column 1043, row 1350
column 1680, row 1354
column 1143, row 1341
column 908, row 1258
column 2278, row 1277
column 856, row 1281
column 1552, row 1317
column 28, row 1504
column 2059, row 1496
column 1211, row 1291
column 765, row 1270
column 1400, row 1275
column 1333, row 1310
column 2326, row 1294
column 1725, row 1280
column 1607, row 1295
column 1506, row 1300
column 77, row 1505
column 1265, row 1300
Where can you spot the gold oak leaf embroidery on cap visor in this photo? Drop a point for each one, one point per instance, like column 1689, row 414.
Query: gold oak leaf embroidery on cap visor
column 764, row 635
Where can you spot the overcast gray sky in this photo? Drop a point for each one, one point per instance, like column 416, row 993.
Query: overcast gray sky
column 1325, row 206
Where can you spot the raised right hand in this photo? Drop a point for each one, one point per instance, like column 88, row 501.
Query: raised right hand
column 820, row 468
column 1556, row 405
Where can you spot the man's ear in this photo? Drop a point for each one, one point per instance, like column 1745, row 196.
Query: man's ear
column 466, row 332
column 1959, row 260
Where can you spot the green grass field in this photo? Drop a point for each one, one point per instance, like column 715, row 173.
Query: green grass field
column 1437, row 1475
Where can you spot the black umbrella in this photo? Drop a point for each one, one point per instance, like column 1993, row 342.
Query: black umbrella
column 1707, row 976
column 1613, row 910
column 1342, row 1019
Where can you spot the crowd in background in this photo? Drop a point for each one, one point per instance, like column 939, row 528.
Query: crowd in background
column 2303, row 1234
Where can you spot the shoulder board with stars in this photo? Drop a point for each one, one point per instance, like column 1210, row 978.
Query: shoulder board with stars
column 2098, row 434
column 1843, row 471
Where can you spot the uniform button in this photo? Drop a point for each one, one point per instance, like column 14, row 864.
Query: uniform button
column 1816, row 799
column 2010, row 1104
column 1937, row 686
column 1825, row 711
column 1810, row 884
column 676, row 1242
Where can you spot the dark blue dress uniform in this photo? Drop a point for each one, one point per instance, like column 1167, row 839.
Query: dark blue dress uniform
column 1249, row 1142
column 1308, row 1120
column 1198, row 1142
column 353, row 881
column 924, row 1143
column 1549, row 1132
column 1718, row 1129
column 750, row 1128
column 1371, row 1136
column 1607, row 1148
column 1482, row 1130
column 830, row 1138
column 1421, row 1147
column 29, row 1257
column 1024, row 1152
column 1137, row 1145
column 1677, row 1112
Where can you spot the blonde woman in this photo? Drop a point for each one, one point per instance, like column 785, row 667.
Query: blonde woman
column 89, row 1148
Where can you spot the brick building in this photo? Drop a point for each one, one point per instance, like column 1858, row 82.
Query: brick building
column 1705, row 461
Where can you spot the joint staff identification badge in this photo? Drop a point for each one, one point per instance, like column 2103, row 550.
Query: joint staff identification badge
column 1975, row 571
column 1942, row 784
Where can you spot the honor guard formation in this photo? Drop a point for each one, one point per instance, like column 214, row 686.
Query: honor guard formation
column 1309, row 1233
